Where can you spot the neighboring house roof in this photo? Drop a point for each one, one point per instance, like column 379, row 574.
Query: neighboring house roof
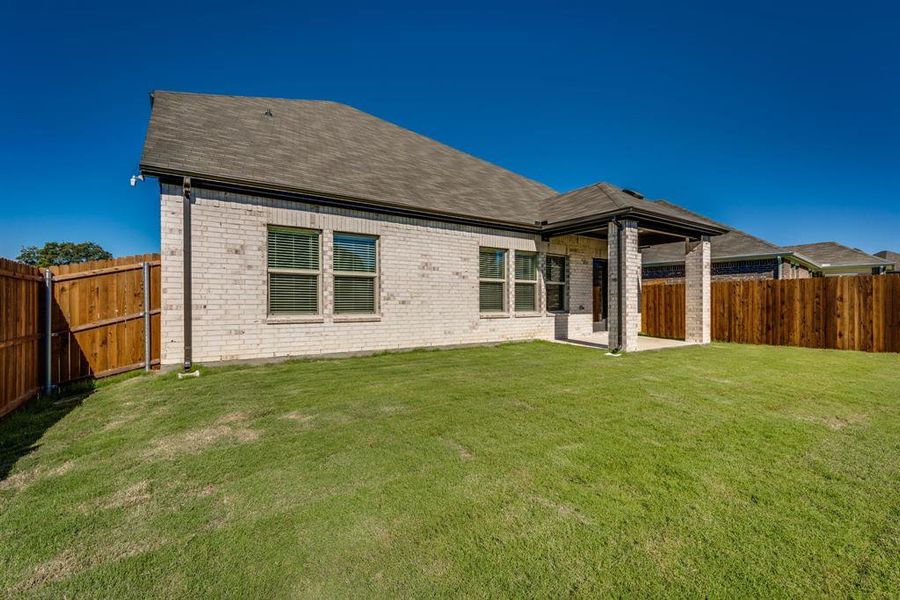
column 832, row 254
column 333, row 151
column 893, row 257
column 734, row 245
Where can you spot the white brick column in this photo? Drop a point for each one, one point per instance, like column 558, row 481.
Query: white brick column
column 697, row 293
column 631, row 275
column 171, row 243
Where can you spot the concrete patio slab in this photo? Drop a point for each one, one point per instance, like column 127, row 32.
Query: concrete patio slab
column 600, row 340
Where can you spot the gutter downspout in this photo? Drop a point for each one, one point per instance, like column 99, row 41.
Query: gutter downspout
column 186, row 275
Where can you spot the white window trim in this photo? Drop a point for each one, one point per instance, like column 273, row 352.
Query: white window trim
column 504, row 280
column 376, row 286
column 289, row 317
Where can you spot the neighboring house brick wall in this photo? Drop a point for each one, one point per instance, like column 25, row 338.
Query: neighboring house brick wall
column 428, row 282
column 729, row 270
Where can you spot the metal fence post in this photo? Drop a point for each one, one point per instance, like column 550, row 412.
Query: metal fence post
column 48, row 331
column 147, row 357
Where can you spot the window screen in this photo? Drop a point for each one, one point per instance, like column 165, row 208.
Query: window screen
column 293, row 268
column 526, row 281
column 492, row 279
column 355, row 273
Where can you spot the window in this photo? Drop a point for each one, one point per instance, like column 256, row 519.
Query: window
column 555, row 277
column 492, row 279
column 526, row 281
column 293, row 265
column 355, row 274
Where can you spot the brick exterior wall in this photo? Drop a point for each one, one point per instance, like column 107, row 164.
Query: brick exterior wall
column 632, row 272
column 730, row 270
column 428, row 282
column 697, row 292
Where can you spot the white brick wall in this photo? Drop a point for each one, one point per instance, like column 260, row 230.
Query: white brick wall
column 428, row 282
column 697, row 292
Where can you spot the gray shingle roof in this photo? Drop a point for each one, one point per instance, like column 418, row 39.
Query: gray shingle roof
column 332, row 149
column 832, row 254
column 893, row 257
column 602, row 198
column 735, row 244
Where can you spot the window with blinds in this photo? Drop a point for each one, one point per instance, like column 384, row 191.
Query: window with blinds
column 294, row 271
column 526, row 281
column 555, row 279
column 492, row 279
column 355, row 274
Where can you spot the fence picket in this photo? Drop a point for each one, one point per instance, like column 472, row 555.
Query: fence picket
column 850, row 313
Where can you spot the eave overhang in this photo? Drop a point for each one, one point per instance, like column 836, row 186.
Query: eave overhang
column 666, row 224
column 656, row 221
column 253, row 188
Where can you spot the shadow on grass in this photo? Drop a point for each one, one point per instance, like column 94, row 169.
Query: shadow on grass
column 22, row 430
column 587, row 344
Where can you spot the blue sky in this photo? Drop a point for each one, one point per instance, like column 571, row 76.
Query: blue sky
column 780, row 118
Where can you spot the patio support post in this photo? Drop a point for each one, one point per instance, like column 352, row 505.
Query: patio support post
column 697, row 291
column 623, row 279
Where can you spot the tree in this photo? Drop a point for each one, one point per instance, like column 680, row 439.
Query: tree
column 62, row 253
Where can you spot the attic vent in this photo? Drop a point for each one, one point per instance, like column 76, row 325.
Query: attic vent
column 268, row 112
column 637, row 195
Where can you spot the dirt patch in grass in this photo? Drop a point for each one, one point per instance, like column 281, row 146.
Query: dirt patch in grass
column 139, row 493
column 23, row 479
column 229, row 427
column 564, row 510
column 205, row 491
column 298, row 416
column 463, row 452
column 520, row 404
column 116, row 423
column 73, row 561
column 833, row 422
column 664, row 549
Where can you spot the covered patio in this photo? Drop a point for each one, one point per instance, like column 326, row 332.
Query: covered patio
column 628, row 222
column 600, row 340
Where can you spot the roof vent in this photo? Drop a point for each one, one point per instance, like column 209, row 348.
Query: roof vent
column 637, row 195
column 268, row 112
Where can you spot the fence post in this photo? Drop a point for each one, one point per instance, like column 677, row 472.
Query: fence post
column 48, row 331
column 147, row 357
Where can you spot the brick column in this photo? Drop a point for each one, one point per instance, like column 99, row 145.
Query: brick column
column 697, row 293
column 631, row 274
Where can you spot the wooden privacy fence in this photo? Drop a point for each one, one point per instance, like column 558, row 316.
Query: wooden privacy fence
column 97, row 323
column 98, row 317
column 662, row 310
column 847, row 313
column 20, row 298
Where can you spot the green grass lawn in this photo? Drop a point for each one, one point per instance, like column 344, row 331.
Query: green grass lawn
column 526, row 469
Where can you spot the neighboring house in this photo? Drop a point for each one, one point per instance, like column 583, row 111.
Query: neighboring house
column 892, row 257
column 735, row 255
column 837, row 259
column 298, row 228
